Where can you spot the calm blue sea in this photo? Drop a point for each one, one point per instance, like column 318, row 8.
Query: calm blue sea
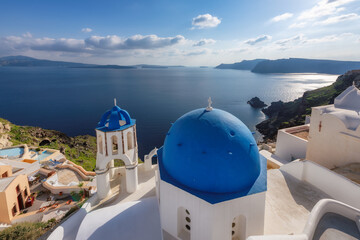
column 72, row 100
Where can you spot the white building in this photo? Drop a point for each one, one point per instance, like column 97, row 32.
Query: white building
column 116, row 139
column 334, row 136
column 211, row 183
column 332, row 139
column 212, row 179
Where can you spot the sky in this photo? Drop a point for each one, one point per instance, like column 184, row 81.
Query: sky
column 190, row 33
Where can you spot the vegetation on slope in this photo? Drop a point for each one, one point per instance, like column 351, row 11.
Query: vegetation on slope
column 26, row 230
column 79, row 149
column 282, row 115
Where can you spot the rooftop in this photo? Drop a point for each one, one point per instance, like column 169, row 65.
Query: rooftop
column 20, row 167
column 4, row 182
column 225, row 144
column 115, row 119
column 288, row 203
column 349, row 117
column 350, row 171
column 299, row 131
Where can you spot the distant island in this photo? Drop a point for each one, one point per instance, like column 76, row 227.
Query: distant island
column 293, row 65
column 24, row 61
column 106, row 66
column 290, row 65
column 243, row 65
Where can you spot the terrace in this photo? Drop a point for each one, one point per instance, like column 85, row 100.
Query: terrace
column 299, row 131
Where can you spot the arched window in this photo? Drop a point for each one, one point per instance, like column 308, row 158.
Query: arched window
column 115, row 146
column 238, row 228
column 100, row 147
column 129, row 137
column 184, row 223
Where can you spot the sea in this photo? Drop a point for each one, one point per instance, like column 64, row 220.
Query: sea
column 72, row 100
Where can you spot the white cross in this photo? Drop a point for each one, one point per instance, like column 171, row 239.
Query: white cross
column 209, row 107
column 115, row 101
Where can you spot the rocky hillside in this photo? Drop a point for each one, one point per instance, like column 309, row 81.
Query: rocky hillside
column 80, row 149
column 282, row 115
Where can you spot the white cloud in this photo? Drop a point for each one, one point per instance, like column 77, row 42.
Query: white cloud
column 86, row 30
column 257, row 40
column 203, row 42
column 281, row 17
column 340, row 18
column 92, row 45
column 300, row 39
column 324, row 8
column 197, row 52
column 134, row 42
column 324, row 12
column 27, row 35
column 291, row 40
column 205, row 21
column 298, row 25
column 328, row 38
column 60, row 44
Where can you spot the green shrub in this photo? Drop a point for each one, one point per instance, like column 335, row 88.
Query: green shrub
column 27, row 230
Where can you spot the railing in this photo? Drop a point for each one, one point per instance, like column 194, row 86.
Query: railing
column 148, row 159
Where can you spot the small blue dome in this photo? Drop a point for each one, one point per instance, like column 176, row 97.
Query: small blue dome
column 211, row 151
column 115, row 119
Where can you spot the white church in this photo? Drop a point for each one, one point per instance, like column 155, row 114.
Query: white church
column 211, row 182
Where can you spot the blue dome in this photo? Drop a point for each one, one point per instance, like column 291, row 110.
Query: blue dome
column 211, row 151
column 115, row 119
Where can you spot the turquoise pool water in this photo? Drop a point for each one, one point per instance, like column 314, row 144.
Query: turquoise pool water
column 12, row 152
column 43, row 155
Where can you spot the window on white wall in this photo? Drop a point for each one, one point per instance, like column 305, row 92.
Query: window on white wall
column 184, row 223
column 238, row 228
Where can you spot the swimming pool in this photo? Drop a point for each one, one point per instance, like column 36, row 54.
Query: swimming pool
column 12, row 152
column 43, row 155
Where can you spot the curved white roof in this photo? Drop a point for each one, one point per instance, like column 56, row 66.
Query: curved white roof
column 349, row 99
column 130, row 220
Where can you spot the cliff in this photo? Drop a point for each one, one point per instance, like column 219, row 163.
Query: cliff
column 301, row 65
column 282, row 115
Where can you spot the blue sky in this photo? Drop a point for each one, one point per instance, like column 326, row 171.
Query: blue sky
column 180, row 32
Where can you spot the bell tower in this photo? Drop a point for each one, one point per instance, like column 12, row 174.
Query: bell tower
column 116, row 139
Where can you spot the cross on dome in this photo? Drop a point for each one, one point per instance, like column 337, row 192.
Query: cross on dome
column 209, row 107
column 114, row 101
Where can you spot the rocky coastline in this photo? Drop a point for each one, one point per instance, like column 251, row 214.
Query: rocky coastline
column 287, row 114
column 255, row 102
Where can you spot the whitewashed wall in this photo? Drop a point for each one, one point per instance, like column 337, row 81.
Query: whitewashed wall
column 333, row 145
column 210, row 221
column 290, row 147
column 333, row 184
